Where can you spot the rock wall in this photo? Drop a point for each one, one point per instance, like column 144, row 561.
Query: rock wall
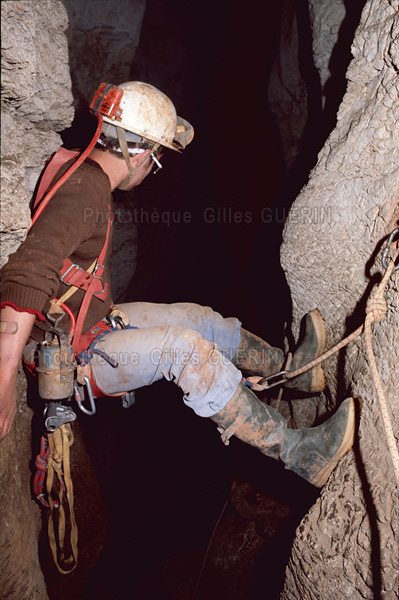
column 326, row 18
column 286, row 91
column 103, row 38
column 348, row 544
column 36, row 103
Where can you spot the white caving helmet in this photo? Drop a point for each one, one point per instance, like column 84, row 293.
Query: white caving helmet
column 137, row 111
column 149, row 113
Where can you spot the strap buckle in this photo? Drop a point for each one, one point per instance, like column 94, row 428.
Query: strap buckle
column 99, row 278
column 67, row 271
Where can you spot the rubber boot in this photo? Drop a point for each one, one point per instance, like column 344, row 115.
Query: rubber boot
column 311, row 452
column 257, row 357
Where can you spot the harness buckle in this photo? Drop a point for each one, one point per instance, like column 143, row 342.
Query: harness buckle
column 67, row 271
column 99, row 278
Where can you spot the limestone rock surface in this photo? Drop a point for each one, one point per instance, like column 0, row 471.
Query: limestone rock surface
column 36, row 103
column 348, row 545
column 286, row 93
column 326, row 17
column 103, row 37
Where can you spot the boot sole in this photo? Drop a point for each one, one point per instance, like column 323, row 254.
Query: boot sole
column 318, row 379
column 321, row 332
column 344, row 448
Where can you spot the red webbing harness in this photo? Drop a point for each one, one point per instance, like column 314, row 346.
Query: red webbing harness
column 72, row 274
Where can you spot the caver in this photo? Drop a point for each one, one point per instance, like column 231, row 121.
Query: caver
column 56, row 297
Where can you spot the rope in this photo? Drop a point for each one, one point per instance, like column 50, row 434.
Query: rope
column 39, row 479
column 58, row 464
column 378, row 312
column 85, row 356
column 327, row 354
column 376, row 309
column 281, row 390
column 41, row 470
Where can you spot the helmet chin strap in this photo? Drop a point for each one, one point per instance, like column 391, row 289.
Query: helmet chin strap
column 125, row 153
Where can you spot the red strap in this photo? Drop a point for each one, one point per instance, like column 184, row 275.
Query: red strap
column 91, row 283
column 79, row 160
column 91, row 288
column 72, row 274
column 54, row 164
column 88, row 338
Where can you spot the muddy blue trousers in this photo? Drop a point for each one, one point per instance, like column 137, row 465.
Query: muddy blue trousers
column 186, row 343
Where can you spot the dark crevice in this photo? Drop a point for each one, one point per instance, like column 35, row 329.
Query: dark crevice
column 163, row 472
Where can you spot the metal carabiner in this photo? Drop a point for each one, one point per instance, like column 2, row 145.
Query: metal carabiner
column 78, row 397
column 387, row 249
column 115, row 321
column 112, row 321
column 279, row 377
column 129, row 398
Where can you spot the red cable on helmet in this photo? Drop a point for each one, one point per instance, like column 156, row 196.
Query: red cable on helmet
column 68, row 173
column 106, row 102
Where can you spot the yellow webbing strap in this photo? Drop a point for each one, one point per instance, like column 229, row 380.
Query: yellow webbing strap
column 58, row 463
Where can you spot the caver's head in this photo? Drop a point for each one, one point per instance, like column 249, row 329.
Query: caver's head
column 146, row 124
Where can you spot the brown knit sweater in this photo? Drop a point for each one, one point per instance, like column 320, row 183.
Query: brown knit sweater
column 73, row 225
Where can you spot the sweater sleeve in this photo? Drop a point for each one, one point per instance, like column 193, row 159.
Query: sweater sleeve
column 73, row 218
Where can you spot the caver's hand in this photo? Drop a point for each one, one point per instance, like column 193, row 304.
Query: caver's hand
column 13, row 337
column 8, row 406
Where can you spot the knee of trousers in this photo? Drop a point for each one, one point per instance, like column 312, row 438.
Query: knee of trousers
column 207, row 378
column 186, row 357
